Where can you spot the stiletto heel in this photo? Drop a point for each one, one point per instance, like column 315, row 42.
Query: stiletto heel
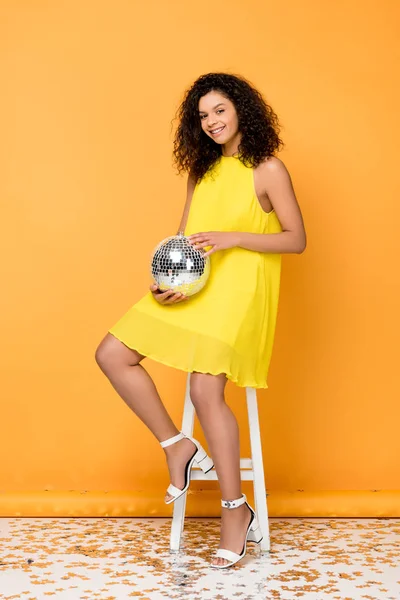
column 253, row 534
column 200, row 457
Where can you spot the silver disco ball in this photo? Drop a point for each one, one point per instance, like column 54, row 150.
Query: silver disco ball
column 179, row 266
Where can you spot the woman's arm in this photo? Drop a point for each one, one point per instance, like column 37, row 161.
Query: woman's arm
column 277, row 183
column 191, row 184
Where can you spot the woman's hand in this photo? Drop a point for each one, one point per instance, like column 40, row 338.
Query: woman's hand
column 168, row 297
column 219, row 240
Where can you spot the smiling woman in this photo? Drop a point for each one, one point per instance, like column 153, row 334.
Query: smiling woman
column 226, row 139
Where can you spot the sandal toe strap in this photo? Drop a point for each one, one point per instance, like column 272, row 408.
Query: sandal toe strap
column 173, row 491
column 227, row 554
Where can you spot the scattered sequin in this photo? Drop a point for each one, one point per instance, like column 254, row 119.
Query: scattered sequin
column 119, row 558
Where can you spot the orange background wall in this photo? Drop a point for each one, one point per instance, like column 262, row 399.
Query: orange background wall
column 87, row 189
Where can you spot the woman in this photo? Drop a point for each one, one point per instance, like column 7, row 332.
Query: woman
column 241, row 208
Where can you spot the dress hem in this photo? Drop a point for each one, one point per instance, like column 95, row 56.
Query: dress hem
column 163, row 361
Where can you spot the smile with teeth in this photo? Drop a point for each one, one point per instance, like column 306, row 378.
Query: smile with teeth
column 217, row 131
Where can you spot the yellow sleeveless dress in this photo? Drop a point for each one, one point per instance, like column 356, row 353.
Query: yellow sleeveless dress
column 228, row 327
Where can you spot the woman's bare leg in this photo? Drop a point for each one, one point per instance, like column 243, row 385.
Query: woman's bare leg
column 222, row 434
column 121, row 366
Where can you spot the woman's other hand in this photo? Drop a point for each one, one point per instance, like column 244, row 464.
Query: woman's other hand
column 168, row 297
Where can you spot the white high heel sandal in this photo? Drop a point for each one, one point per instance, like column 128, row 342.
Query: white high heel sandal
column 200, row 457
column 253, row 534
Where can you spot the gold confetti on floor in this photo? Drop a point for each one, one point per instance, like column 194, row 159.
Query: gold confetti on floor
column 118, row 559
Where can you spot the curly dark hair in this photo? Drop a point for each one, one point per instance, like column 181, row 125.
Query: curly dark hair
column 195, row 152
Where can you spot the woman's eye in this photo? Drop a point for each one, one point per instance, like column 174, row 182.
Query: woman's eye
column 218, row 111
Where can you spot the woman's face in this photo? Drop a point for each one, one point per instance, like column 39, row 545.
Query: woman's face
column 218, row 118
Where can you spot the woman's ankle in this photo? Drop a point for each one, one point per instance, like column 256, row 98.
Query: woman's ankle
column 176, row 448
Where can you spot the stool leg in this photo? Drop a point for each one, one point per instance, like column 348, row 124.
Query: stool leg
column 178, row 518
column 258, row 469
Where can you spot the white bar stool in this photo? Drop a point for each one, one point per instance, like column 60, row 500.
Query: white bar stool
column 251, row 469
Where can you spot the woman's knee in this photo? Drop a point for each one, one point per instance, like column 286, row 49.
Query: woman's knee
column 112, row 353
column 206, row 389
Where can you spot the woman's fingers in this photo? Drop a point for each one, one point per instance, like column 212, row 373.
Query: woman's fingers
column 167, row 297
column 176, row 297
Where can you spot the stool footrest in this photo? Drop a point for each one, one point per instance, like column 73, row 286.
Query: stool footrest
column 198, row 475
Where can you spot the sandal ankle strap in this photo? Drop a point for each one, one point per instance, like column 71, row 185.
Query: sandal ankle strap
column 172, row 440
column 233, row 503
